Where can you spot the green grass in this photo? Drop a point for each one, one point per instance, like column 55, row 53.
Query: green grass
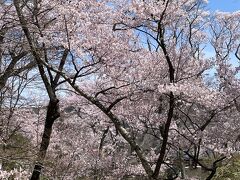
column 230, row 170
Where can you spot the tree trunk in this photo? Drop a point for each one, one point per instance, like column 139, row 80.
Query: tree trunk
column 52, row 115
column 181, row 164
column 165, row 137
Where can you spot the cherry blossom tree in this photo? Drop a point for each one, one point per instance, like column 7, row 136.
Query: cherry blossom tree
column 180, row 44
column 136, row 71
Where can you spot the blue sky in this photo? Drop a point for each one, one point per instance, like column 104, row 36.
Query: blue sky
column 224, row 5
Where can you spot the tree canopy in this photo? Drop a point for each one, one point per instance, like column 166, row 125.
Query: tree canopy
column 128, row 88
